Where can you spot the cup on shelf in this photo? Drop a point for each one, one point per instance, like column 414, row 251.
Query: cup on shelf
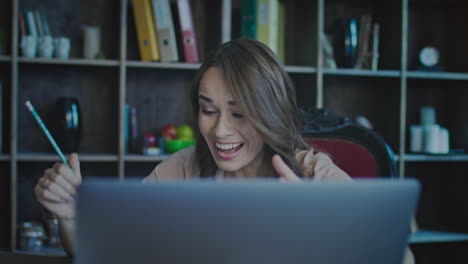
column 92, row 41
column 28, row 46
column 62, row 47
column 46, row 47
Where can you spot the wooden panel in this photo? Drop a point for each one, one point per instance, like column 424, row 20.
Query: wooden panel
column 443, row 198
column 97, row 92
column 5, row 25
column 301, row 32
column 5, row 111
column 449, row 100
column 386, row 13
column 160, row 97
column 441, row 253
column 5, row 205
column 375, row 98
column 67, row 17
column 306, row 89
column 442, row 25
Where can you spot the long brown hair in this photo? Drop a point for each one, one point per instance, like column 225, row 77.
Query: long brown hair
column 265, row 93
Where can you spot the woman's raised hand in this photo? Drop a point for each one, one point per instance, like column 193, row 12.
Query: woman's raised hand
column 284, row 172
column 56, row 189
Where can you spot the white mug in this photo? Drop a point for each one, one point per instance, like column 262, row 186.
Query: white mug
column 46, row 47
column 92, row 41
column 28, row 46
column 62, row 47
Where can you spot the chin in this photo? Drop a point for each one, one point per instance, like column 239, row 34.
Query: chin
column 228, row 166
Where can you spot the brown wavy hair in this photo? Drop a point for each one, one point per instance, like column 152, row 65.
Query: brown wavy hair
column 263, row 90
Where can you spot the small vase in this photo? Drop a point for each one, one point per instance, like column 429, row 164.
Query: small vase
column 66, row 124
column 345, row 42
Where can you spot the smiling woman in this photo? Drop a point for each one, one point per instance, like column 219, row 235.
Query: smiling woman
column 247, row 122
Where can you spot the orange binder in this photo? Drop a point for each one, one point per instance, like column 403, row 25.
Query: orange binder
column 146, row 31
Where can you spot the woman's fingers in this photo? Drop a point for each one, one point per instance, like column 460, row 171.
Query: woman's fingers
column 75, row 164
column 68, row 174
column 283, row 170
column 44, row 194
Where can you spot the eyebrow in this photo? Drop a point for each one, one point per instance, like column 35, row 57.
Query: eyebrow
column 209, row 100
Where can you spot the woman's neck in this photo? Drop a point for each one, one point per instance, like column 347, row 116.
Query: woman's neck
column 260, row 167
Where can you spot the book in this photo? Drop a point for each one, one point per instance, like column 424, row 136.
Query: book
column 226, row 17
column 146, row 31
column 126, row 128
column 165, row 30
column 134, row 138
column 249, row 19
column 267, row 23
column 21, row 23
column 187, row 31
column 31, row 23
column 375, row 47
column 365, row 25
column 281, row 32
column 37, row 17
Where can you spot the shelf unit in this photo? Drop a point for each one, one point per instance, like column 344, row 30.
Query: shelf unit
column 390, row 96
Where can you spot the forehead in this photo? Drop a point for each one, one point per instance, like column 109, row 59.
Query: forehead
column 214, row 85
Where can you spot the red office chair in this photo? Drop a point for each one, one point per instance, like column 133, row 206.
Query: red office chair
column 357, row 150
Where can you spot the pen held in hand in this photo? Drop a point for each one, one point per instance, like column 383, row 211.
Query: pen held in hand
column 47, row 133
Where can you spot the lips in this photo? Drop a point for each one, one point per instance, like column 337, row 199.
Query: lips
column 228, row 151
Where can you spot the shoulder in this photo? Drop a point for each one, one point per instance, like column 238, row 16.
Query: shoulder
column 319, row 166
column 178, row 166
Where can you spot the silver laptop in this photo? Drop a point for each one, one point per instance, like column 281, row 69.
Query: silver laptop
column 244, row 222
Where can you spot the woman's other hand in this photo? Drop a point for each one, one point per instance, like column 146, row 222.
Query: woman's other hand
column 284, row 172
column 56, row 189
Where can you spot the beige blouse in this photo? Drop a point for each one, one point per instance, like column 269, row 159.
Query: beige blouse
column 181, row 165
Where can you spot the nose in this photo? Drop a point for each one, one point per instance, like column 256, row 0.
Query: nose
column 223, row 126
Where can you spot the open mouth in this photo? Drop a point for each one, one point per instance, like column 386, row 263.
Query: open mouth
column 228, row 151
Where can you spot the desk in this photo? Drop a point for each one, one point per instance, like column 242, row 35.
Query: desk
column 16, row 258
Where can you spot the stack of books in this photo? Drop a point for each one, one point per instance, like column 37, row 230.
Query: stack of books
column 158, row 24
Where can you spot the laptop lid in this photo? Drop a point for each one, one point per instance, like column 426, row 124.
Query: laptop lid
column 366, row 221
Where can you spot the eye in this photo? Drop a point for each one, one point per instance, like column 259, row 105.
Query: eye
column 208, row 112
column 237, row 115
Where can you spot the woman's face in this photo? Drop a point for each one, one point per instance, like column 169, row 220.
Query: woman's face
column 233, row 141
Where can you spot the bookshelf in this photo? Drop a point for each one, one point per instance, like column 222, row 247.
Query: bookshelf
column 390, row 96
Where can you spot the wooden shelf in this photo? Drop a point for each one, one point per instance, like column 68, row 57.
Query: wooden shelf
column 437, row 75
column 73, row 62
column 435, row 158
column 5, row 58
column 54, row 157
column 366, row 73
column 163, row 65
column 300, row 69
column 45, row 251
column 145, row 158
column 429, row 236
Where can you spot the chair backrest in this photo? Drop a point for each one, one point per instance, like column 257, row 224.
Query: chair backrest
column 357, row 150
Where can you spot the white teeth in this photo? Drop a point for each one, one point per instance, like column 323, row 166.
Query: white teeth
column 227, row 146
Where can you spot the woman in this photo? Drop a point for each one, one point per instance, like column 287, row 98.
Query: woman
column 247, row 126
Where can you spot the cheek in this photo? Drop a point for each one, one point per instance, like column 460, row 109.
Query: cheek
column 251, row 135
column 203, row 124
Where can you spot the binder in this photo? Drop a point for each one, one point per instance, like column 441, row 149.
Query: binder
column 281, row 32
column 165, row 30
column 267, row 23
column 249, row 19
column 146, row 32
column 187, row 31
